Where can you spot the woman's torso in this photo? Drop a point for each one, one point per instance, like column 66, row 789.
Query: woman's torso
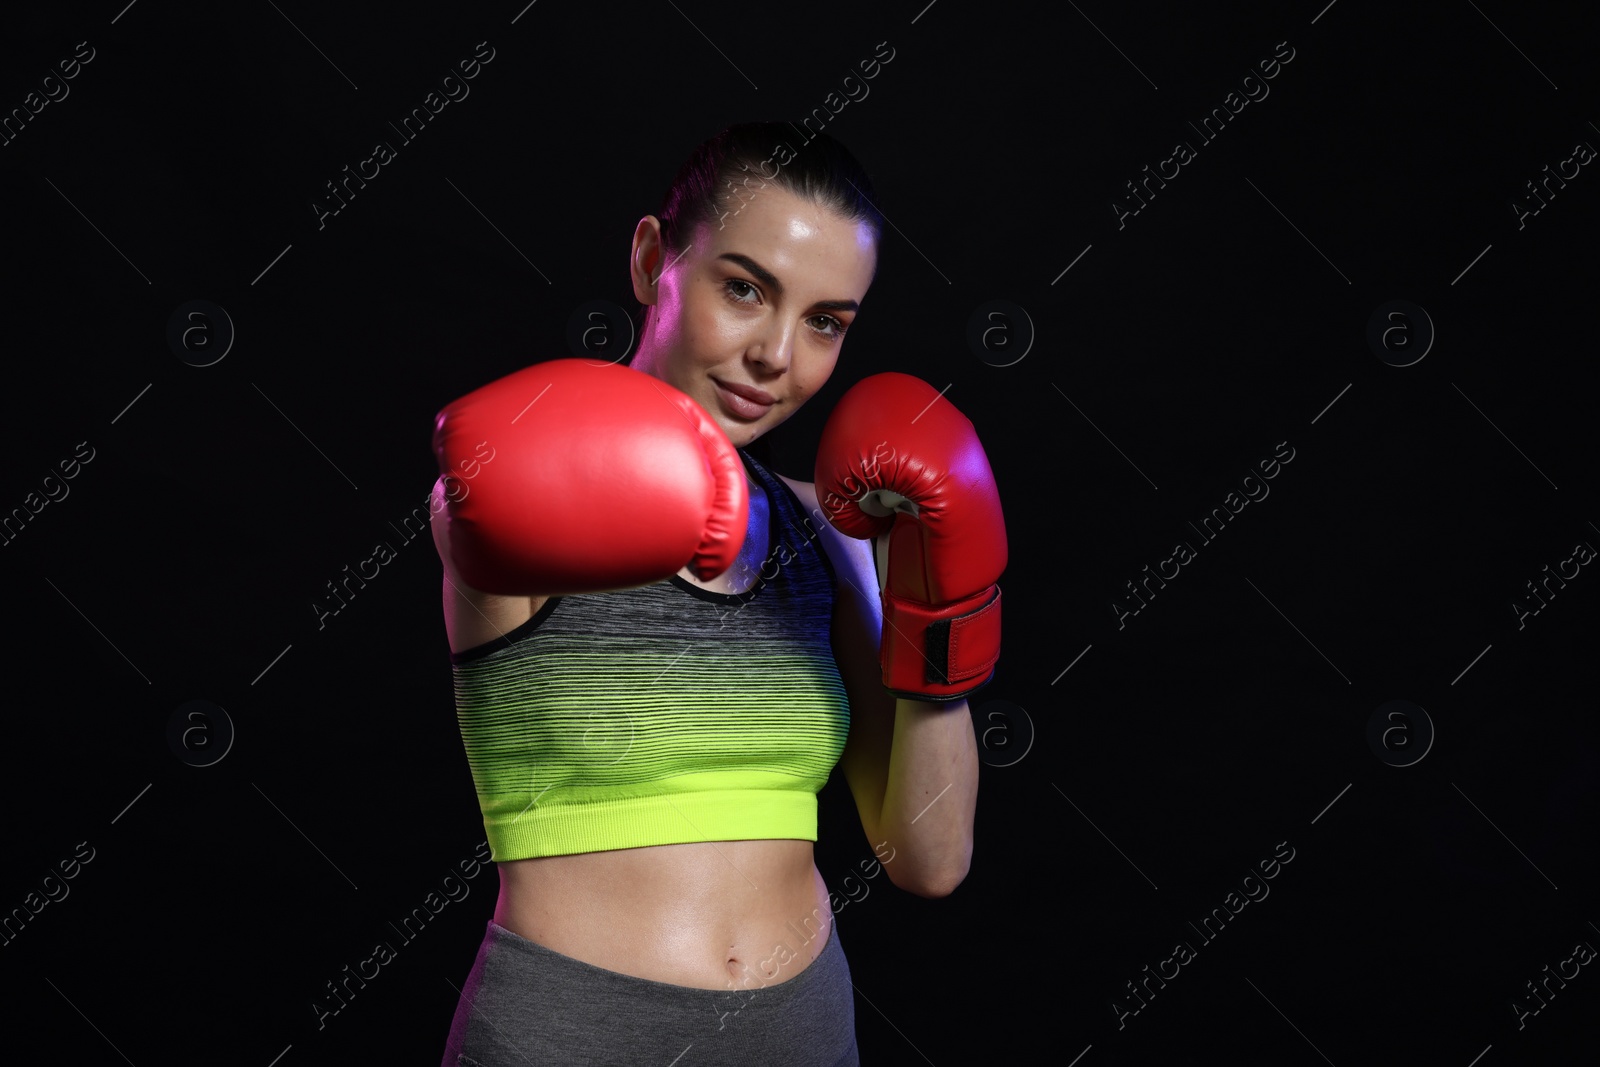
column 710, row 915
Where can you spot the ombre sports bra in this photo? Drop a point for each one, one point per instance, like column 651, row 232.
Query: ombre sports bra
column 662, row 714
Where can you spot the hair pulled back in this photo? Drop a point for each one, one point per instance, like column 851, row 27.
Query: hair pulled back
column 727, row 170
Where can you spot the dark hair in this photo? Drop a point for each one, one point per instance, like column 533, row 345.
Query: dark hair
column 733, row 165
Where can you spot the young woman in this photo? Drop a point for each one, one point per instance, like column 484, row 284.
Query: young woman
column 661, row 648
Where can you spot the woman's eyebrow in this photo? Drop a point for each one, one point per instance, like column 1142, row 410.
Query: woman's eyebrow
column 770, row 280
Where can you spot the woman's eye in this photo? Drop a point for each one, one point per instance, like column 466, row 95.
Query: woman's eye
column 831, row 326
column 741, row 292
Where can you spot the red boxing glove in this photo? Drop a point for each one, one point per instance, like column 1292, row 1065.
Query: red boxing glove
column 602, row 477
column 897, row 460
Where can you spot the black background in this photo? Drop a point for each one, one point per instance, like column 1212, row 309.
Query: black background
column 1181, row 348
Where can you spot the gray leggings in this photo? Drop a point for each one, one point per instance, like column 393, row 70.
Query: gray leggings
column 524, row 1005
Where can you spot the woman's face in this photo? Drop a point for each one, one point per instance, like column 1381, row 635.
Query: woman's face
column 757, row 304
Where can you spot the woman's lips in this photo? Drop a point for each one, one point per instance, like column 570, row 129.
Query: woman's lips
column 743, row 401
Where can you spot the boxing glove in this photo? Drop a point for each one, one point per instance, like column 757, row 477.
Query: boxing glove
column 602, row 478
column 899, row 464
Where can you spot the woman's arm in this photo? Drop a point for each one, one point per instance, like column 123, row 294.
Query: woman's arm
column 471, row 616
column 911, row 766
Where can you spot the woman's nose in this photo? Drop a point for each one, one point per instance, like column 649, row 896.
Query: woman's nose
column 773, row 352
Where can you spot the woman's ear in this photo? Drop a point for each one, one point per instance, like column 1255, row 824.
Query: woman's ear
column 645, row 259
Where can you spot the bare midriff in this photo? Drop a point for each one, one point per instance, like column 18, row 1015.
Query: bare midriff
column 708, row 915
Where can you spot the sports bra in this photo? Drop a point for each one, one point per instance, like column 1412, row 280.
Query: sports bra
column 662, row 714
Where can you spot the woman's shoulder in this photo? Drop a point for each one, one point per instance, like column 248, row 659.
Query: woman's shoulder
column 806, row 491
column 851, row 558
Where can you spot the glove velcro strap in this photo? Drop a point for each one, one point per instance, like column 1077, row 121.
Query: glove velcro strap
column 943, row 652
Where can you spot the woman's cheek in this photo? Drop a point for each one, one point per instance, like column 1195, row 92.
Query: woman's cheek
column 718, row 329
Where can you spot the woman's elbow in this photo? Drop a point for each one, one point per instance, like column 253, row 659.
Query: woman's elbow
column 931, row 884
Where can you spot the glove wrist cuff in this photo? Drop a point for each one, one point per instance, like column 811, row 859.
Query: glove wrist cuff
column 940, row 652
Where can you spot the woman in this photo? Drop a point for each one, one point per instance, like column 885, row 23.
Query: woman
column 666, row 929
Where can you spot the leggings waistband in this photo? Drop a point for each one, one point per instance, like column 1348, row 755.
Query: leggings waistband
column 524, row 1002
